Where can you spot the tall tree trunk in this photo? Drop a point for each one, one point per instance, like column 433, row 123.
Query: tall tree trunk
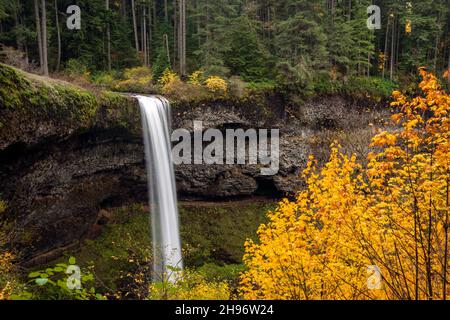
column 19, row 39
column 166, row 47
column 44, row 38
column 136, row 39
column 154, row 17
column 182, row 37
column 394, row 24
column 184, row 72
column 397, row 44
column 108, row 39
column 166, row 12
column 39, row 35
column 436, row 53
column 58, row 34
column 207, row 24
column 144, row 34
column 333, row 11
column 197, row 11
column 123, row 9
column 150, row 35
column 175, row 33
column 141, row 25
column 350, row 10
column 179, row 36
column 438, row 38
column 386, row 43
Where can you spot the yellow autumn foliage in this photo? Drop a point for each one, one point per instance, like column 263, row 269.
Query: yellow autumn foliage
column 392, row 216
column 168, row 77
column 216, row 84
column 381, row 61
column 191, row 286
column 7, row 281
column 408, row 27
column 137, row 79
column 196, row 78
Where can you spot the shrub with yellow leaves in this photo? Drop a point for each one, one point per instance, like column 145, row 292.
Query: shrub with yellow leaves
column 196, row 78
column 191, row 286
column 306, row 251
column 170, row 83
column 137, row 80
column 168, row 77
column 216, row 84
column 393, row 214
column 177, row 90
column 6, row 280
column 9, row 285
column 142, row 72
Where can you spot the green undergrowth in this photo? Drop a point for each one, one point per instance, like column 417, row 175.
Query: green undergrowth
column 121, row 251
column 216, row 233
column 213, row 236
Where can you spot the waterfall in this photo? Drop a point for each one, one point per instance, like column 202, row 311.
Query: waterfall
column 155, row 112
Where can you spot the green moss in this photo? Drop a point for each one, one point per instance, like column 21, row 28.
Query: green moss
column 115, row 100
column 217, row 233
column 72, row 104
column 12, row 87
column 33, row 96
column 121, row 110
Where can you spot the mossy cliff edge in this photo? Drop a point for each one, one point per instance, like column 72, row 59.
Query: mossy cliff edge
column 34, row 108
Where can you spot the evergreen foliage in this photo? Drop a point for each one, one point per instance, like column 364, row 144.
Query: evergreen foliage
column 290, row 41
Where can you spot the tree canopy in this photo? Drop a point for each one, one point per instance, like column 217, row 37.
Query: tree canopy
column 289, row 40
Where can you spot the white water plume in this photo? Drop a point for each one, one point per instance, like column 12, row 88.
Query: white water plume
column 155, row 112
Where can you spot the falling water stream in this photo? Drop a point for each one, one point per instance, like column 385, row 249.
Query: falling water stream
column 155, row 112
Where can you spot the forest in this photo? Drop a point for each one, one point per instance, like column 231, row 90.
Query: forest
column 284, row 43
column 358, row 210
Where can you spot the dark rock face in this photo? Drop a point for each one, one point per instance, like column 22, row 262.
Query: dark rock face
column 305, row 130
column 54, row 196
column 214, row 181
column 56, row 181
